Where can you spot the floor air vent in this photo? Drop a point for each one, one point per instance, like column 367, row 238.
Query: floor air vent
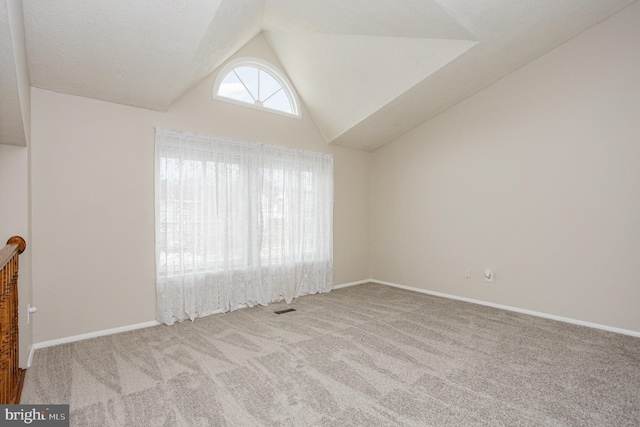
column 288, row 310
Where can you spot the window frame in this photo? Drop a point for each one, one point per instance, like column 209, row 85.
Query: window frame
column 264, row 66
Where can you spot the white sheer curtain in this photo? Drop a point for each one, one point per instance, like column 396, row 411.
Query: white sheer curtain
column 239, row 223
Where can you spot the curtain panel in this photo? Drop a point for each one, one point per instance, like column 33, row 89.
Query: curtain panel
column 238, row 223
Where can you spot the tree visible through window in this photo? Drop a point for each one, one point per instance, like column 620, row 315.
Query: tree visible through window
column 258, row 84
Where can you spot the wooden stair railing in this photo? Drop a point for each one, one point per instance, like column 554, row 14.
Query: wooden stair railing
column 11, row 376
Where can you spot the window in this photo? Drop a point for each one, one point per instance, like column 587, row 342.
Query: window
column 239, row 223
column 253, row 82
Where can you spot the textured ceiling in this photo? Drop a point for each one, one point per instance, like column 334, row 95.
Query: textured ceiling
column 367, row 70
column 144, row 53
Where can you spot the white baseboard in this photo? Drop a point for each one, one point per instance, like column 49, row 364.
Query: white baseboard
column 95, row 334
column 104, row 332
column 30, row 359
column 515, row 309
column 346, row 285
column 112, row 331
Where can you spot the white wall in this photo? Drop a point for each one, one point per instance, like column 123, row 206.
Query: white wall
column 93, row 199
column 536, row 176
column 16, row 19
column 14, row 221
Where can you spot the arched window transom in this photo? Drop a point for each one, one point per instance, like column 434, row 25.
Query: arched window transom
column 256, row 83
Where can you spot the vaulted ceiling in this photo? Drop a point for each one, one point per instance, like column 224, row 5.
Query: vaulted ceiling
column 367, row 70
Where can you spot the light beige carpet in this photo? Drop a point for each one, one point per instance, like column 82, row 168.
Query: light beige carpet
column 367, row 355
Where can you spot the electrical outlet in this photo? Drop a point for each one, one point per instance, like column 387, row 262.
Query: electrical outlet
column 467, row 273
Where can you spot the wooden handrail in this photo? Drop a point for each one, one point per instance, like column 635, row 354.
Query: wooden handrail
column 11, row 376
column 14, row 244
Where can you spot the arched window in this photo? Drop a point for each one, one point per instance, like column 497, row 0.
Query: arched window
column 256, row 83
